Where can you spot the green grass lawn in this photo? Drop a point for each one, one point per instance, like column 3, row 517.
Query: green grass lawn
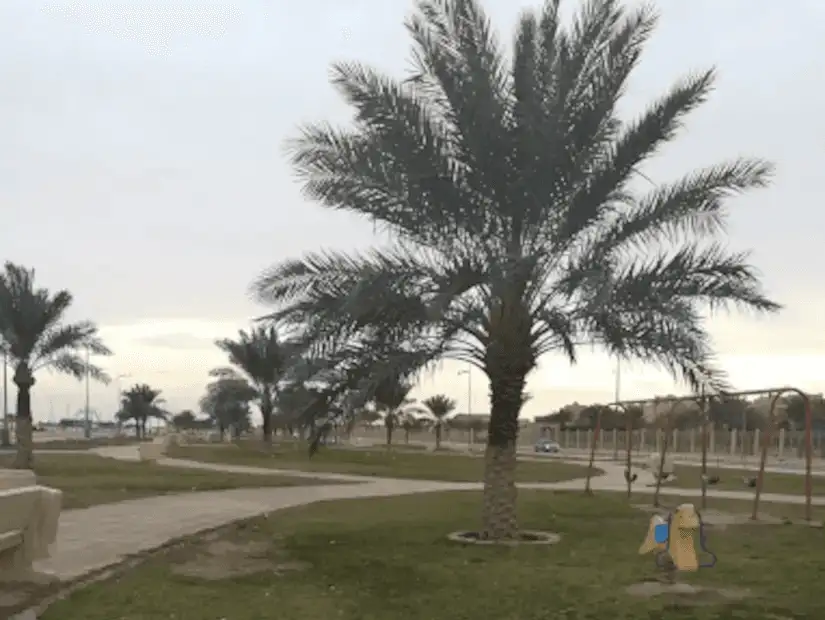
column 378, row 462
column 79, row 443
column 731, row 479
column 87, row 480
column 389, row 558
column 769, row 510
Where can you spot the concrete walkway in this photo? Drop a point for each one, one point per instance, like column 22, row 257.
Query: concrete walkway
column 99, row 536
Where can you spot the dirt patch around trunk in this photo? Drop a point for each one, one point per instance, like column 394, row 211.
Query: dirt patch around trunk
column 524, row 537
column 686, row 595
column 218, row 558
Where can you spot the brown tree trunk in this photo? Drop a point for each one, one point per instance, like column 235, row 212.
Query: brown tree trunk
column 498, row 516
column 508, row 359
column 438, row 437
column 389, row 426
column 266, row 412
column 24, row 459
column 498, row 513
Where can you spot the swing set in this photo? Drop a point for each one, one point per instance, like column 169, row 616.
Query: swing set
column 703, row 400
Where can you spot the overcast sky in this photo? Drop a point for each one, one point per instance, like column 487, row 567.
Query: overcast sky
column 142, row 168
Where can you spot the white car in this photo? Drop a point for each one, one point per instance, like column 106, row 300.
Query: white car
column 547, row 446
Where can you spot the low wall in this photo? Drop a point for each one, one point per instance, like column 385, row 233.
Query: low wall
column 784, row 444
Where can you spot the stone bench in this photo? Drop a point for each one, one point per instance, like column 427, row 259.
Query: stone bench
column 152, row 450
column 29, row 516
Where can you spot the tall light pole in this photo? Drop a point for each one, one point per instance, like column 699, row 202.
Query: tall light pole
column 6, row 436
column 470, row 436
column 469, row 390
column 87, row 429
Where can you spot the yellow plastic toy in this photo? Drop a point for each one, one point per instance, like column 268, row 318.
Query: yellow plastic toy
column 674, row 540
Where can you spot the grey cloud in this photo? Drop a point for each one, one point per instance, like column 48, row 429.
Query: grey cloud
column 176, row 341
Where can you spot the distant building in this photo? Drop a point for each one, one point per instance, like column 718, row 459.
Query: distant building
column 466, row 419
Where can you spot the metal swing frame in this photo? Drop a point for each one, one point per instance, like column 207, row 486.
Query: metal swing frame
column 703, row 400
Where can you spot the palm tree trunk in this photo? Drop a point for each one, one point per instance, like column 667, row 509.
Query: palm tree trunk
column 24, row 459
column 498, row 517
column 266, row 412
column 438, row 436
column 389, row 434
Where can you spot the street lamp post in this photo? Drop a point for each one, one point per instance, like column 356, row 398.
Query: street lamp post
column 87, row 427
column 469, row 403
column 6, row 433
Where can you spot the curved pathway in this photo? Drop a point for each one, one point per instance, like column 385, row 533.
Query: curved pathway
column 100, row 536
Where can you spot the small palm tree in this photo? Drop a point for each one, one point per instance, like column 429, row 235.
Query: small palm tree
column 439, row 406
column 34, row 336
column 139, row 404
column 411, row 423
column 261, row 356
column 521, row 219
column 391, row 400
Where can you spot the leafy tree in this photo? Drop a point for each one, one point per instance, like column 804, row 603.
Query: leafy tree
column 261, row 356
column 139, row 404
column 510, row 189
column 35, row 336
column 227, row 402
column 795, row 411
column 185, row 420
column 440, row 407
column 636, row 415
column 564, row 417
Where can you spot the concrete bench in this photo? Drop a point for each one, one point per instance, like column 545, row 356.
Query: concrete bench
column 152, row 450
column 29, row 517
column 16, row 478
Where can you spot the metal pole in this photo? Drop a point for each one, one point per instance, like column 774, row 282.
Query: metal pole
column 88, row 422
column 469, row 392
column 743, row 432
column 615, row 400
column 6, row 436
column 704, row 417
column 470, row 407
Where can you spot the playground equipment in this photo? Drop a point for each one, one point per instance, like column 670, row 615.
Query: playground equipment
column 674, row 541
column 703, row 400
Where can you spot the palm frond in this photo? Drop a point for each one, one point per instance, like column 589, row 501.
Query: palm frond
column 518, row 225
column 76, row 366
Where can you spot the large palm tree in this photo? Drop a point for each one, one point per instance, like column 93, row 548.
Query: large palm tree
column 139, row 404
column 521, row 218
column 439, row 406
column 34, row 335
column 261, row 356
